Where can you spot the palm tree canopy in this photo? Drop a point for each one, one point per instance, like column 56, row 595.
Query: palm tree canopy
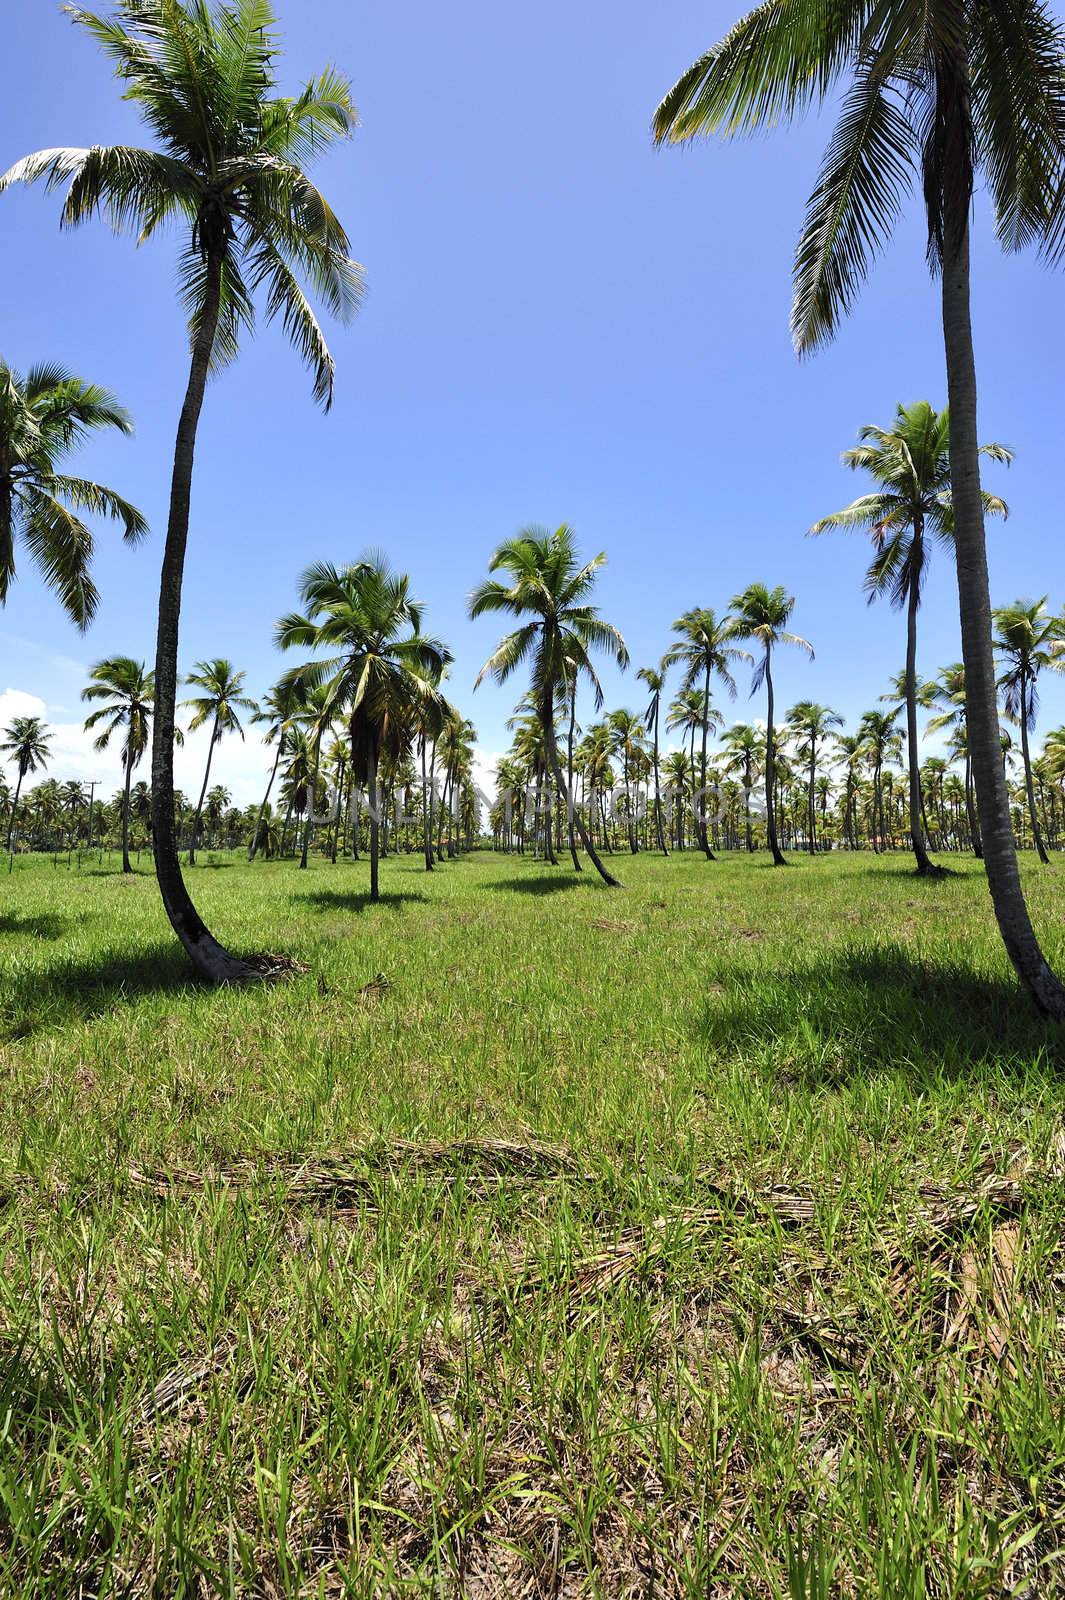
column 550, row 587
column 128, row 692
column 704, row 648
column 910, row 464
column 908, row 66
column 227, row 167
column 26, row 743
column 1029, row 639
column 44, row 416
column 220, row 700
column 762, row 614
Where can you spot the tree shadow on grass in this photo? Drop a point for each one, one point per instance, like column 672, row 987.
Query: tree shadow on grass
column 83, row 988
column 543, row 883
column 358, row 900
column 880, row 1008
column 46, row 925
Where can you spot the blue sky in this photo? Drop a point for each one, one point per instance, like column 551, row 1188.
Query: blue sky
column 562, row 324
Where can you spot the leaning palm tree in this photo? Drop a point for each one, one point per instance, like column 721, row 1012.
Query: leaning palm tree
column 910, row 465
column 381, row 664
column 762, row 614
column 217, row 706
column 1029, row 640
column 128, row 691
column 655, row 679
column 948, row 88
column 227, row 172
column 26, row 743
column 548, row 592
column 706, row 652
column 43, row 418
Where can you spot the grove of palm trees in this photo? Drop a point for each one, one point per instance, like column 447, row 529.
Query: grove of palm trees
column 521, row 1078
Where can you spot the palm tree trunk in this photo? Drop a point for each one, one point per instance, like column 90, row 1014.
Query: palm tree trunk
column 811, row 822
column 704, row 839
column 14, row 809
column 1029, row 786
column 974, row 600
column 206, row 780
column 312, row 804
column 211, row 960
column 126, row 868
column 375, row 821
column 924, row 866
column 771, row 768
column 254, row 846
column 551, row 746
column 571, row 803
column 427, row 825
column 658, row 794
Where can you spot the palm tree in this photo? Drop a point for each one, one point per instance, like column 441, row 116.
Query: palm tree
column 128, row 691
column 763, row 614
column 910, row 465
column 218, row 704
column 949, row 693
column 628, row 734
column 228, row 172
column 812, row 725
column 744, row 752
column 550, row 589
column 26, row 743
column 655, row 679
column 278, row 710
column 880, row 742
column 43, row 418
column 382, row 664
column 947, row 88
column 706, row 653
column 1029, row 640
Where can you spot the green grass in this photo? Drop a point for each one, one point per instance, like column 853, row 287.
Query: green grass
column 406, row 1349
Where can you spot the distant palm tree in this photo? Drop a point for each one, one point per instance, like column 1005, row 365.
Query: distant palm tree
column 43, row 418
column 1029, row 641
column 655, row 679
column 705, row 651
column 26, row 743
column 228, row 173
column 949, row 694
column 549, row 591
column 881, row 742
column 762, row 614
column 949, row 90
column 910, row 464
column 382, row 664
column 278, row 710
column 218, row 706
column 628, row 733
column 744, row 752
column 129, row 692
column 812, row 725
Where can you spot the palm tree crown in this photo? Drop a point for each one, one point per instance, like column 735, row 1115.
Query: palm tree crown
column 128, row 691
column 43, row 417
column 220, row 701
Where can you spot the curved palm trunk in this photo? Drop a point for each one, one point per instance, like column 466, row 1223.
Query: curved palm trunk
column 771, row 768
column 203, row 792
column 1029, row 786
column 254, row 846
column 211, row 960
column 974, row 600
column 917, row 833
column 126, row 868
column 658, row 794
column 551, row 747
column 14, row 810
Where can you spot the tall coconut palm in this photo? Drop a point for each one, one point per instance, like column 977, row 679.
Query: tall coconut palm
column 948, row 693
column 549, row 591
column 881, row 742
column 380, row 667
column 762, row 614
column 948, row 89
column 706, row 652
column 628, row 733
column 277, row 710
column 26, row 742
column 1029, row 640
column 128, row 692
column 227, row 172
column 655, row 679
column 910, row 464
column 812, row 725
column 218, row 706
column 744, row 752
column 43, row 418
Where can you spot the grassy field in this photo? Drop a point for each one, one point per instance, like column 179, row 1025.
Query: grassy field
column 699, row 1239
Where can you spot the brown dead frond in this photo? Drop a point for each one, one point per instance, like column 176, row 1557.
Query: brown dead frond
column 271, row 967
column 183, row 1380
